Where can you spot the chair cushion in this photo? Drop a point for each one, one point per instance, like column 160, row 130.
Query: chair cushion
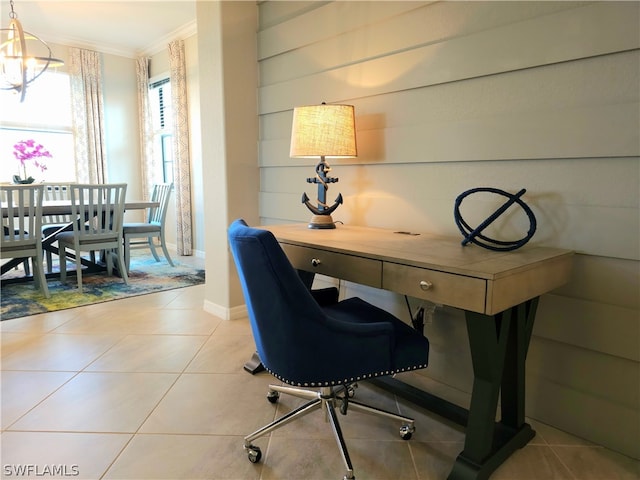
column 326, row 296
column 68, row 238
column 140, row 228
column 410, row 349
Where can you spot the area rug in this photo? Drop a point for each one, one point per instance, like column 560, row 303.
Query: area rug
column 146, row 276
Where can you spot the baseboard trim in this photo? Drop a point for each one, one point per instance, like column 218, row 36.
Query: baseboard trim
column 225, row 313
column 173, row 249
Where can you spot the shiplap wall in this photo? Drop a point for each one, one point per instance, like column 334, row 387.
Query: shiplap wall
column 455, row 95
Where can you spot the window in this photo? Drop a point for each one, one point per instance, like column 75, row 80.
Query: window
column 167, row 157
column 45, row 117
column 161, row 114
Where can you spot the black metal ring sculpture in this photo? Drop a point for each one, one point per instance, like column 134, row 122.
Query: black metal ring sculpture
column 472, row 235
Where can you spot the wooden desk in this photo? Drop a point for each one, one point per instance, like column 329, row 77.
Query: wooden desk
column 63, row 207
column 499, row 293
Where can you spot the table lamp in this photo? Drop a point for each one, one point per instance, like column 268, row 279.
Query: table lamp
column 323, row 131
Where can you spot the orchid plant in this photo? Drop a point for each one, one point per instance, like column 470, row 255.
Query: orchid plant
column 28, row 151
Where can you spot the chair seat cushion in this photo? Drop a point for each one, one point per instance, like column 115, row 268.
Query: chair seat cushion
column 358, row 342
column 65, row 237
column 16, row 248
column 140, row 228
column 410, row 350
column 69, row 237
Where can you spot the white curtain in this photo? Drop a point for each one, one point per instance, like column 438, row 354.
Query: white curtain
column 181, row 157
column 88, row 115
column 148, row 161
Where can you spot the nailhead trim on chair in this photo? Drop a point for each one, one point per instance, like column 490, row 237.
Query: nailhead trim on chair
column 346, row 380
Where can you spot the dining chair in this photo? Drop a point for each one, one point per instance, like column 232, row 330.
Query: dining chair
column 318, row 351
column 54, row 223
column 151, row 229
column 21, row 228
column 97, row 212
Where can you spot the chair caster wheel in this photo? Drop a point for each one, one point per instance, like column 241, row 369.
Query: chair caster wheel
column 254, row 454
column 344, row 406
column 406, row 431
column 351, row 390
column 273, row 397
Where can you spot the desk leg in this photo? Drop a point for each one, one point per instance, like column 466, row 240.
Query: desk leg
column 499, row 346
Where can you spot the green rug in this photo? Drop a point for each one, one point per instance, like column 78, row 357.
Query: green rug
column 146, row 276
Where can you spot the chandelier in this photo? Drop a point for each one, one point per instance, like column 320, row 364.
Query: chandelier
column 23, row 57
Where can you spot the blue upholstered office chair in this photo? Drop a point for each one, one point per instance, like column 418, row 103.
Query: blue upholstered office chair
column 305, row 345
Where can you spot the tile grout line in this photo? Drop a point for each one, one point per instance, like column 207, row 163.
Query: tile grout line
column 137, row 432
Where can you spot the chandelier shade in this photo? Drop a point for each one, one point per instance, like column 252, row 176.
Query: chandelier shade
column 23, row 57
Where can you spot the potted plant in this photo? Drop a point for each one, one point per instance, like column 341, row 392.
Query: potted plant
column 29, row 152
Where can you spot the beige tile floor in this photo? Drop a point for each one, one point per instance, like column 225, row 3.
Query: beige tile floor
column 152, row 387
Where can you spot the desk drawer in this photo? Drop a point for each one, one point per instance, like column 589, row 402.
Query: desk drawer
column 437, row 287
column 346, row 267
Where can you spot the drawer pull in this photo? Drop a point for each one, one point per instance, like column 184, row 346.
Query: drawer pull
column 315, row 262
column 424, row 285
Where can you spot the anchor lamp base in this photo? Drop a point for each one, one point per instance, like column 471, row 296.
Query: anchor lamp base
column 321, row 221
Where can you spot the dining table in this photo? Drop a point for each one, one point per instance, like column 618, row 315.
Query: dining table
column 64, row 208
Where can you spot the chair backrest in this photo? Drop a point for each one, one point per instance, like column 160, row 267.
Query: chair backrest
column 56, row 192
column 100, row 209
column 286, row 321
column 21, row 217
column 161, row 193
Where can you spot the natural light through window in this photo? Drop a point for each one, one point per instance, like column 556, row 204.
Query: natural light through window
column 160, row 105
column 45, row 117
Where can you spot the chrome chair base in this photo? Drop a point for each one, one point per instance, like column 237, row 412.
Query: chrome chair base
column 325, row 399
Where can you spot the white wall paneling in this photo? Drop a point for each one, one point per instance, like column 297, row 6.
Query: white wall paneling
column 455, row 95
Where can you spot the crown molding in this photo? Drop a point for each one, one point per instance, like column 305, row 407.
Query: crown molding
column 185, row 31
column 158, row 45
